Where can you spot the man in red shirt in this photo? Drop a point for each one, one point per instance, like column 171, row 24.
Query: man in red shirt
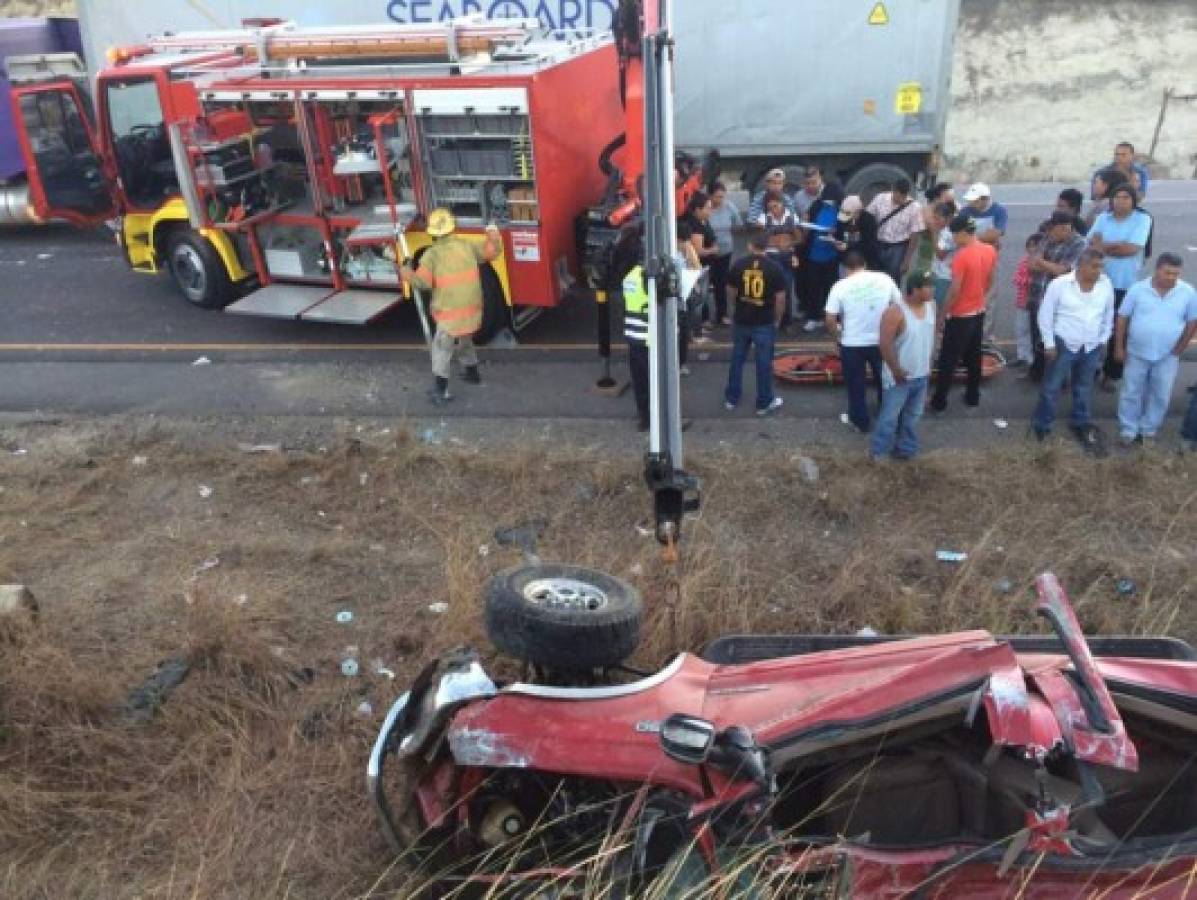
column 962, row 316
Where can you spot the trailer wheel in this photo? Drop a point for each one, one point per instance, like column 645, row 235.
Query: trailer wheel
column 564, row 618
column 198, row 271
column 871, row 180
column 496, row 315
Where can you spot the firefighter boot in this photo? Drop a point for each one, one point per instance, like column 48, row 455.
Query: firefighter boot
column 439, row 394
column 471, row 375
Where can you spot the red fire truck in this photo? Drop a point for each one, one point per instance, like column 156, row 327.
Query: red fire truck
column 286, row 172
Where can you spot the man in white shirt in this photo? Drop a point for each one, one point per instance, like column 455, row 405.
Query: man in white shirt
column 853, row 316
column 1076, row 319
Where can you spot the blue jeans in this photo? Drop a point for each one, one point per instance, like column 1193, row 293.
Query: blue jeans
column 790, row 274
column 901, row 408
column 1188, row 430
column 762, row 337
column 1082, row 368
column 1146, row 393
column 856, row 379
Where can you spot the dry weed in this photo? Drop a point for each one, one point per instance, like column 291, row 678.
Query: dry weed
column 248, row 783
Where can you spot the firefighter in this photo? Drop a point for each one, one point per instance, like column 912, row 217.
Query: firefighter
column 449, row 268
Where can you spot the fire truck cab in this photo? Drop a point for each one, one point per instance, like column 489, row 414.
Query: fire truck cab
column 287, row 172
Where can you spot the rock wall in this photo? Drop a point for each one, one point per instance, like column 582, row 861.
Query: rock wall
column 1043, row 89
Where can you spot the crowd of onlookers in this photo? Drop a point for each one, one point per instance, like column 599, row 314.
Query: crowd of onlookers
column 898, row 277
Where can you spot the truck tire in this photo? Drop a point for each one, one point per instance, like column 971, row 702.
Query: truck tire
column 563, row 618
column 869, row 181
column 496, row 315
column 198, row 270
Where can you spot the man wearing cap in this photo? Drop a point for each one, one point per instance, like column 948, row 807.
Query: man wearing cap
column 991, row 219
column 962, row 319
column 907, row 342
column 449, row 269
column 1058, row 255
column 775, row 188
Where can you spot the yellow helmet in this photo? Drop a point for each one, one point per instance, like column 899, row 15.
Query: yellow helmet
column 441, row 222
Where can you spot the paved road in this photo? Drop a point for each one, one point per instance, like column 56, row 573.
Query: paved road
column 81, row 333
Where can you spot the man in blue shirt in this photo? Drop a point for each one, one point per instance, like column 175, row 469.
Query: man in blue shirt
column 1122, row 234
column 1124, row 162
column 1155, row 324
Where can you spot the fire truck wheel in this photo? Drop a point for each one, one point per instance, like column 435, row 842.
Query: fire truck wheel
column 495, row 313
column 198, row 271
column 563, row 618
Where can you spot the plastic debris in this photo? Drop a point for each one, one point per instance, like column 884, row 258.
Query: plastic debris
column 20, row 451
column 363, row 478
column 308, row 480
column 365, row 708
column 380, row 668
column 844, row 419
column 1125, row 587
column 207, row 564
column 808, row 468
column 344, row 617
column 45, row 256
column 439, row 608
column 1003, row 585
column 643, row 532
column 484, row 551
column 349, row 667
column 241, row 599
column 205, row 492
column 523, row 536
column 255, row 449
column 951, row 556
column 432, row 436
column 202, row 361
column 867, row 632
column 144, row 700
column 1001, row 423
column 17, row 600
column 377, row 548
column 140, row 460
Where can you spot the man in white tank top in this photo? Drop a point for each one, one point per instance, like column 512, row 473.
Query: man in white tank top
column 907, row 342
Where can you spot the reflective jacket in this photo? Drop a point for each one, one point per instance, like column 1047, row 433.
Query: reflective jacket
column 449, row 268
column 635, row 307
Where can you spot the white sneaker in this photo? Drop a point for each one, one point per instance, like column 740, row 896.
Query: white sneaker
column 773, row 407
column 728, row 406
column 812, row 326
column 684, row 371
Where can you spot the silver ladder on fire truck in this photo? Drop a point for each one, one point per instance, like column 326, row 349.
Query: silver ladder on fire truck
column 675, row 492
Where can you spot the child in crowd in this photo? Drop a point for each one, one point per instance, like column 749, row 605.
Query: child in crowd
column 1024, row 348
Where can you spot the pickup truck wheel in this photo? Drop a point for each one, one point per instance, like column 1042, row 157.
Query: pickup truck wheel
column 197, row 270
column 495, row 313
column 563, row 617
column 872, row 179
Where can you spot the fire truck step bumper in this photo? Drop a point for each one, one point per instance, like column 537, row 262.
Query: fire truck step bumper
column 280, row 301
column 352, row 307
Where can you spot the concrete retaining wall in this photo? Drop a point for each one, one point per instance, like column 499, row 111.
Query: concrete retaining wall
column 1043, row 89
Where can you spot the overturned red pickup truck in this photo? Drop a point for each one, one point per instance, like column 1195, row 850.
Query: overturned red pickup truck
column 957, row 765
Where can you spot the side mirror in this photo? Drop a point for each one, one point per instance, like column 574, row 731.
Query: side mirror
column 687, row 739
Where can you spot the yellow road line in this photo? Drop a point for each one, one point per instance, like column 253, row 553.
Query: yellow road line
column 820, row 347
column 334, row 348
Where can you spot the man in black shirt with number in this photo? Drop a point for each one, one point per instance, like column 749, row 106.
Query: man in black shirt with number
column 756, row 289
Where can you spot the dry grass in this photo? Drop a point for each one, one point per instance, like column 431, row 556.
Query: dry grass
column 250, row 781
